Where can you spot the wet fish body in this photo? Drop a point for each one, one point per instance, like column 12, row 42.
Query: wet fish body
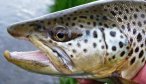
column 93, row 40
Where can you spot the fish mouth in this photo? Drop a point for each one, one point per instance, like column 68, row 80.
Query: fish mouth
column 44, row 57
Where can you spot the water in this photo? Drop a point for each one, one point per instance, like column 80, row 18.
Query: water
column 12, row 11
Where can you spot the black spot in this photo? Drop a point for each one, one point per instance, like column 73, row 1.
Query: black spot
column 105, row 25
column 143, row 60
column 141, row 53
column 139, row 37
column 81, row 26
column 144, row 21
column 119, row 19
column 131, row 40
column 94, row 45
column 73, row 24
column 69, row 44
column 125, row 17
column 114, row 48
column 100, row 24
column 74, row 51
column 71, row 56
column 113, row 33
column 135, row 16
column 67, row 24
column 120, row 13
column 113, row 57
column 139, row 24
column 132, row 60
column 87, row 32
column 137, row 49
column 84, row 17
column 104, row 18
column 133, row 22
column 95, row 34
column 122, row 54
column 116, row 8
column 102, row 47
column 121, row 44
column 91, row 16
column 68, row 18
column 88, row 23
column 74, row 18
column 134, row 31
column 114, row 25
column 131, row 9
column 113, row 13
column 123, row 27
column 142, row 16
column 78, row 44
column 130, row 53
column 94, row 24
column 136, row 10
column 128, row 27
column 85, row 40
column 85, row 50
column 127, row 11
column 141, row 45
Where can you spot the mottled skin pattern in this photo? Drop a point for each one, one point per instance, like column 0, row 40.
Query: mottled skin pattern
column 95, row 39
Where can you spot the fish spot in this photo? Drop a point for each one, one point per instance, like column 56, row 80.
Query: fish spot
column 81, row 26
column 143, row 60
column 122, row 53
column 139, row 24
column 113, row 33
column 85, row 50
column 113, row 13
column 144, row 21
column 131, row 40
column 71, row 56
column 105, row 25
column 94, row 24
column 74, row 51
column 119, row 19
column 132, row 60
column 121, row 44
column 73, row 24
column 125, row 17
column 104, row 18
column 134, row 31
column 113, row 57
column 114, row 25
column 139, row 37
column 91, row 16
column 102, row 47
column 95, row 34
column 116, row 8
column 94, row 45
column 123, row 27
column 85, row 40
column 136, row 49
column 141, row 53
column 142, row 16
column 87, row 32
column 135, row 16
column 130, row 53
column 114, row 48
column 141, row 45
column 78, row 44
column 133, row 22
column 69, row 44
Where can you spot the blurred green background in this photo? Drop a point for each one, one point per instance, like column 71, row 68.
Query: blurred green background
column 61, row 5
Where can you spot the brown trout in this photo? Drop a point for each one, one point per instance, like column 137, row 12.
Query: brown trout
column 94, row 40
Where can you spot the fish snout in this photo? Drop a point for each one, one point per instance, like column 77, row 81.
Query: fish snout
column 19, row 30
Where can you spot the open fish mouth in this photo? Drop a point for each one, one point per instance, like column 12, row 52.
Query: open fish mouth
column 54, row 58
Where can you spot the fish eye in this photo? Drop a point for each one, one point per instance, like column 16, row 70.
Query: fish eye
column 60, row 36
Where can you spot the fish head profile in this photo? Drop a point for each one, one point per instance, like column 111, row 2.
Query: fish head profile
column 91, row 41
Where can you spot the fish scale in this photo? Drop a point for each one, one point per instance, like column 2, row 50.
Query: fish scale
column 95, row 39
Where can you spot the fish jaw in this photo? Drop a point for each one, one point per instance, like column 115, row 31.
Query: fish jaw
column 34, row 61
